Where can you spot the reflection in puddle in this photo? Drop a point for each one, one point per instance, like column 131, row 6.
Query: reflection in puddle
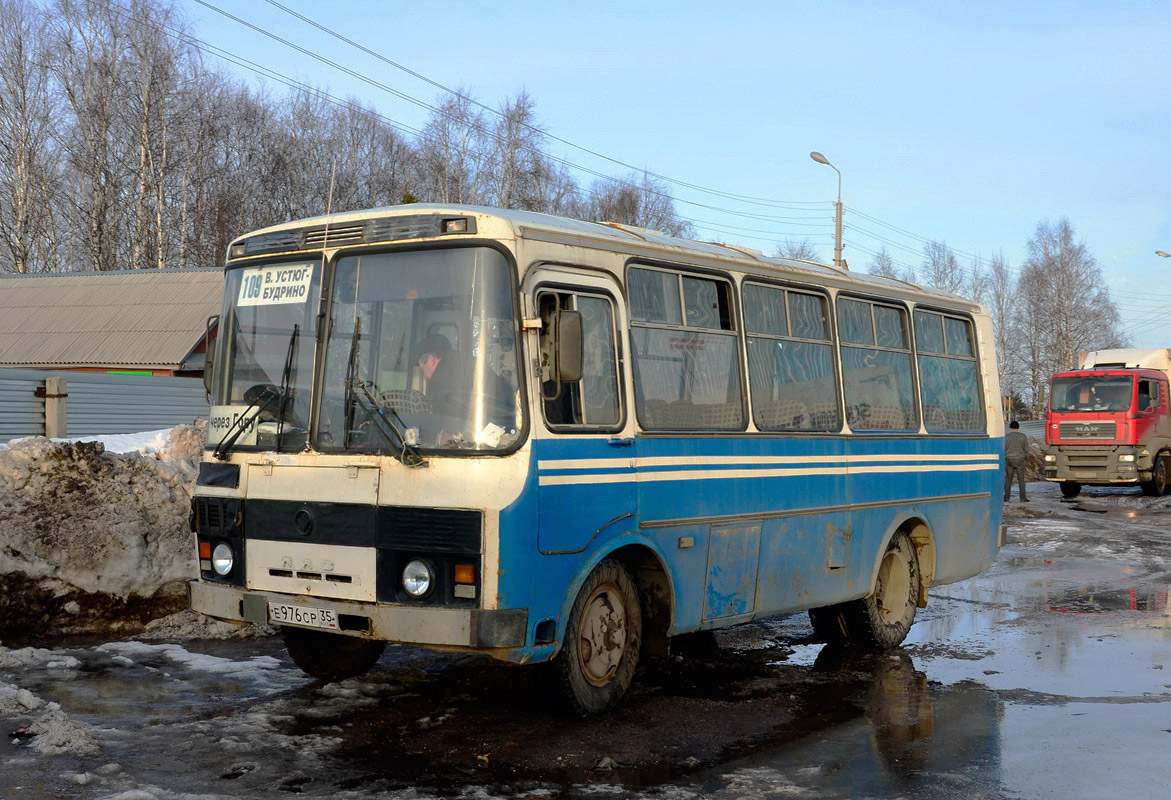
column 906, row 738
column 1091, row 600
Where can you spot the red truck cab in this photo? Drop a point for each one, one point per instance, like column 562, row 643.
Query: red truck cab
column 1109, row 422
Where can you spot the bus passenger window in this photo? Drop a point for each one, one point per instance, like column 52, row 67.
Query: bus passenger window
column 790, row 371
column 876, row 366
column 684, row 351
column 593, row 401
column 949, row 385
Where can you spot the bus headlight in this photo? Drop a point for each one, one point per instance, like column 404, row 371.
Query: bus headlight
column 222, row 559
column 1126, row 457
column 418, row 578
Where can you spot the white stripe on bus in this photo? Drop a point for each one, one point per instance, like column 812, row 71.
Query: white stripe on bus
column 698, row 475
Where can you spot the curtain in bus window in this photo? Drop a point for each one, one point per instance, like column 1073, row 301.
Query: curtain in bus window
column 951, row 394
column 764, row 310
column 686, row 380
column 654, row 296
column 854, row 323
column 792, row 385
column 599, row 369
column 928, row 332
column 807, row 316
column 878, row 389
column 959, row 337
column 702, row 303
column 890, row 328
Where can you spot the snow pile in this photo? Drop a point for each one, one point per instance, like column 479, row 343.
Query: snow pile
column 92, row 540
column 51, row 730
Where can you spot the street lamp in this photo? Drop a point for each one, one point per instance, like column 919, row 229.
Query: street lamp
column 1161, row 253
column 838, row 262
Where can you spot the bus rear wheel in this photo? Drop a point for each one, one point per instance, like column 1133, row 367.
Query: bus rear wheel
column 883, row 619
column 1070, row 489
column 330, row 656
column 603, row 636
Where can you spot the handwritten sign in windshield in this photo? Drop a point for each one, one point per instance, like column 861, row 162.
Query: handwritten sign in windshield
column 284, row 283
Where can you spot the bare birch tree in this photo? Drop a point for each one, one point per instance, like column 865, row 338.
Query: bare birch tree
column 1067, row 308
column 28, row 168
column 88, row 63
column 941, row 269
column 639, row 201
column 454, row 148
column 798, row 250
column 882, row 264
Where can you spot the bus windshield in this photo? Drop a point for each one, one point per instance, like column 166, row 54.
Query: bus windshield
column 261, row 386
column 422, row 353
column 1092, row 393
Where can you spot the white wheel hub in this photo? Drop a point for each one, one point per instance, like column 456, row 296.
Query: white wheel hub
column 602, row 635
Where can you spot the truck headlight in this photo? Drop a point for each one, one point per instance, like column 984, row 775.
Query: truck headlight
column 1050, row 459
column 222, row 559
column 1126, row 457
column 418, row 578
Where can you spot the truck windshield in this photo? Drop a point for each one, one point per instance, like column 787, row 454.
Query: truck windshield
column 262, row 377
column 426, row 340
column 1092, row 393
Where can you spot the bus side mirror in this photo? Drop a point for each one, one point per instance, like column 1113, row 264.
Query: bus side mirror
column 569, row 346
column 209, row 351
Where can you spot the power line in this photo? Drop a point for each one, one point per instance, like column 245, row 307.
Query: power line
column 534, row 129
column 422, row 104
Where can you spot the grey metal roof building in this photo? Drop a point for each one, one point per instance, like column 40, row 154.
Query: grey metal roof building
column 139, row 320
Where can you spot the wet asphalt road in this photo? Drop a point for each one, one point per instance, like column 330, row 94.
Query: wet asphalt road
column 1049, row 676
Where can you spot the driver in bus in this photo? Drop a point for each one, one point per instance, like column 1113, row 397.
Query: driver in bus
column 448, row 388
column 441, row 369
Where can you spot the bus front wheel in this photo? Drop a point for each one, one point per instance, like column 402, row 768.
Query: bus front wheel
column 330, row 656
column 883, row 619
column 603, row 635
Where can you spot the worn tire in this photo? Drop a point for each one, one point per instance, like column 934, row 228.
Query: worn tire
column 330, row 656
column 1070, row 489
column 883, row 619
column 1157, row 485
column 603, row 636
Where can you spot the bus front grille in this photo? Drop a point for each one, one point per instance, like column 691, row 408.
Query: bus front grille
column 439, row 530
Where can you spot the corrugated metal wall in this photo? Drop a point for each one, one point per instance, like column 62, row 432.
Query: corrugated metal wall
column 99, row 403
column 22, row 413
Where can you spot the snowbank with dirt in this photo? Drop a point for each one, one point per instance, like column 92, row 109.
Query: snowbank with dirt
column 93, row 540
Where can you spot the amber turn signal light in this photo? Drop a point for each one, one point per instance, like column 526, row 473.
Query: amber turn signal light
column 465, row 573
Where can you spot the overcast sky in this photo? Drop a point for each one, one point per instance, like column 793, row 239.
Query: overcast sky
column 967, row 123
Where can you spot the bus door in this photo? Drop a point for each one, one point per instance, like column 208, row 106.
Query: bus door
column 584, row 453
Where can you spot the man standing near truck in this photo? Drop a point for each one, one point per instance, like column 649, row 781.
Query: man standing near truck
column 1016, row 455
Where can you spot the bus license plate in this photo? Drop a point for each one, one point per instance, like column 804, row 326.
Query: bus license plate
column 282, row 613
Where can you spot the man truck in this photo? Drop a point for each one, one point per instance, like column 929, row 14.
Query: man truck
column 1108, row 422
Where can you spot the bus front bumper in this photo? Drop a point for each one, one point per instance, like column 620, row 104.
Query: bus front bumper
column 458, row 628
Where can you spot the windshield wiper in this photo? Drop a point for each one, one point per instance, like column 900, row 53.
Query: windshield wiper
column 408, row 453
column 259, row 398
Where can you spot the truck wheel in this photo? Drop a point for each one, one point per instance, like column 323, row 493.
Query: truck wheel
column 1157, row 485
column 330, row 656
column 603, row 635
column 1070, row 489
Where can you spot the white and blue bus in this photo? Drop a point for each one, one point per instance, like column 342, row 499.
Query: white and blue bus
column 550, row 440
